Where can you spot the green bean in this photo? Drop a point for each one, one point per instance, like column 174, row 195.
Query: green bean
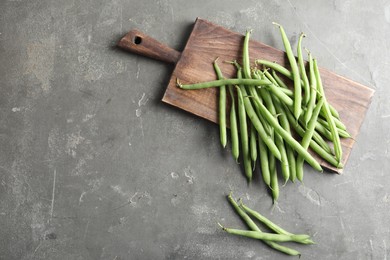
column 295, row 72
column 275, row 66
column 277, row 138
column 337, row 121
column 233, row 126
column 313, row 90
column 317, row 137
column 277, row 91
column 326, row 124
column 244, row 136
column 253, row 145
column 269, row 223
column 270, row 77
column 291, row 163
column 265, row 236
column 325, row 131
column 334, row 112
column 223, row 82
column 248, row 221
column 257, row 124
column 254, row 93
column 289, row 139
column 263, row 95
column 282, row 70
column 313, row 144
column 343, row 133
column 302, row 70
column 286, row 126
column 340, row 128
column 252, row 225
column 266, row 96
column 222, row 107
column 308, row 136
column 328, row 115
column 245, row 56
column 264, row 162
column 263, row 219
column 285, row 168
column 286, row 91
column 279, row 80
column 274, row 185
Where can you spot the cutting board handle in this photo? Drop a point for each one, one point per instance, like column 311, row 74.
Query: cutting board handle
column 142, row 44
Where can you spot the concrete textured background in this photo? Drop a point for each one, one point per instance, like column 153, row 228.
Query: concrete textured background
column 94, row 166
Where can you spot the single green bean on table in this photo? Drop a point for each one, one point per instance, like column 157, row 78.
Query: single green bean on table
column 222, row 107
column 252, row 225
column 302, row 70
column 294, row 71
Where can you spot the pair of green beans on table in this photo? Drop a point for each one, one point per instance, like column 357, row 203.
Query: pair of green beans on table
column 265, row 113
column 278, row 234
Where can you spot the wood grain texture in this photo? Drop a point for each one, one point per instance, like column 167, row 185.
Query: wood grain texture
column 209, row 41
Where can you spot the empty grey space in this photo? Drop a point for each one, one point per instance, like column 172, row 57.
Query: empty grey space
column 94, row 166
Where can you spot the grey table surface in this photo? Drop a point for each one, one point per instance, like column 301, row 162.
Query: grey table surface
column 94, row 166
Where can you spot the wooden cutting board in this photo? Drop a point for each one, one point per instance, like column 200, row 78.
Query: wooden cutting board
column 208, row 41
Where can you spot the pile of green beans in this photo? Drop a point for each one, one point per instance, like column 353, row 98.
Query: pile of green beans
column 273, row 123
column 272, row 238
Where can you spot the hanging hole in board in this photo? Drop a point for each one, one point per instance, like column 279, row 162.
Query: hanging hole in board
column 137, row 40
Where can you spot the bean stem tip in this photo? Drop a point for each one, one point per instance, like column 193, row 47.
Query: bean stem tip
column 178, row 83
column 223, row 228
